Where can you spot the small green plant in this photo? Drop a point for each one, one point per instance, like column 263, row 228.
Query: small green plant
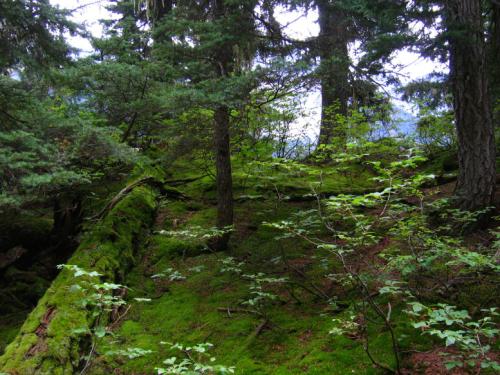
column 457, row 328
column 102, row 298
column 130, row 353
column 195, row 232
column 260, row 296
column 171, row 274
column 196, row 361
column 99, row 297
column 345, row 326
column 231, row 265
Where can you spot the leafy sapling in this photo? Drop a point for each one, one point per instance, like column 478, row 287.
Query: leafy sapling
column 101, row 298
column 260, row 296
column 196, row 361
column 473, row 337
column 171, row 274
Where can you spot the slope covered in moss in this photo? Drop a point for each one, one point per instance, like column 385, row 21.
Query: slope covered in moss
column 187, row 294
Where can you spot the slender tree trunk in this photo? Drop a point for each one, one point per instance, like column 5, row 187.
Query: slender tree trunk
column 334, row 70
column 224, row 182
column 473, row 115
column 224, row 176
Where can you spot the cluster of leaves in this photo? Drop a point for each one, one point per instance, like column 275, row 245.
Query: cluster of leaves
column 98, row 296
column 101, row 298
column 197, row 361
column 196, row 232
column 457, row 328
column 260, row 293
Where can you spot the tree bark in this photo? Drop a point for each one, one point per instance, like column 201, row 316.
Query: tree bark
column 494, row 58
column 223, row 57
column 473, row 114
column 334, row 70
column 224, row 176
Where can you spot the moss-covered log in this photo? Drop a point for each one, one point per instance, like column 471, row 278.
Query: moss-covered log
column 51, row 340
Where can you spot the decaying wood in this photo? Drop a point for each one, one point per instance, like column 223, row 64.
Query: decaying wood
column 152, row 181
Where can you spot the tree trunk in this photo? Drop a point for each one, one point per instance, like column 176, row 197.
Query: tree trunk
column 223, row 177
column 473, row 115
column 494, row 58
column 224, row 63
column 334, row 70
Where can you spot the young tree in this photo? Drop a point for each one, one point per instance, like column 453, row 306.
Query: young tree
column 208, row 45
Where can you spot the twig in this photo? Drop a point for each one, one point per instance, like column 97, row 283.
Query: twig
column 260, row 327
column 120, row 317
column 229, row 310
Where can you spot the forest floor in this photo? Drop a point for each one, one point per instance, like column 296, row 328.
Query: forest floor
column 182, row 292
column 200, row 303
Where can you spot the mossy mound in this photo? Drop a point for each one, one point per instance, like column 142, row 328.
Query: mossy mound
column 48, row 342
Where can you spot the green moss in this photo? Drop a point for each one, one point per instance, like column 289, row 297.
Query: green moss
column 47, row 342
column 296, row 340
column 169, row 248
column 194, row 310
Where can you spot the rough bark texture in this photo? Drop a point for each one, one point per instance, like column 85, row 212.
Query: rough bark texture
column 224, row 175
column 47, row 342
column 334, row 69
column 224, row 182
column 473, row 114
column 494, row 58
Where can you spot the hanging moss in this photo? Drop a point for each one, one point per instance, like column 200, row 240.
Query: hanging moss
column 48, row 342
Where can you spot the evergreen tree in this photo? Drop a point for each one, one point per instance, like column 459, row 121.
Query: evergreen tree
column 51, row 149
column 32, row 35
column 461, row 41
column 378, row 28
column 209, row 45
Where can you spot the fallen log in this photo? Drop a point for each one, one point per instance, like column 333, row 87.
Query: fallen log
column 149, row 180
column 52, row 340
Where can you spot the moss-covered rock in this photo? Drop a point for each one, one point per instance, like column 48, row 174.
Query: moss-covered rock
column 48, row 342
